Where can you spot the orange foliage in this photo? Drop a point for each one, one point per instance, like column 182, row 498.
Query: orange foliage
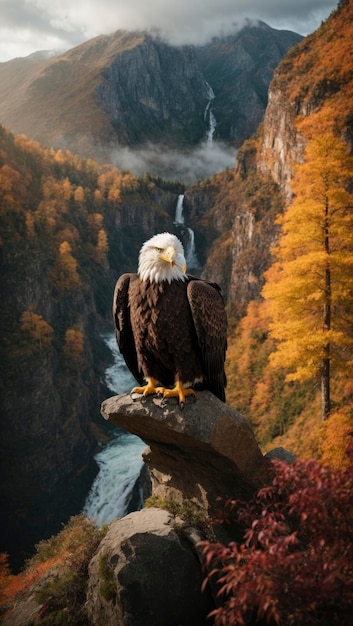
column 13, row 585
column 10, row 180
column 37, row 328
column 322, row 66
column 64, row 273
column 101, row 247
column 335, row 436
column 74, row 346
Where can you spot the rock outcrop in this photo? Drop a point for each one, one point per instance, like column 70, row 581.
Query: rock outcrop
column 152, row 574
column 195, row 455
column 147, row 569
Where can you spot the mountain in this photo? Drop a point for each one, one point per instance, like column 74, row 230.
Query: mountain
column 129, row 89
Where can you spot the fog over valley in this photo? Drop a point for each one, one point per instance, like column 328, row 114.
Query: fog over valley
column 172, row 163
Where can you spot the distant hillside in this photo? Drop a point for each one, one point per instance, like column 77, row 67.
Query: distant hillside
column 130, row 89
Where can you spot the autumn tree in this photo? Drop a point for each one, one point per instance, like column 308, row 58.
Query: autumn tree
column 37, row 328
column 74, row 347
column 310, row 284
column 65, row 274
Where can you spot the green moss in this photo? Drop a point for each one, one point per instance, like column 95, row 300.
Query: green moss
column 107, row 584
column 187, row 512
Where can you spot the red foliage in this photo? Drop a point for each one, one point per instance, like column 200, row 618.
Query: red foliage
column 294, row 565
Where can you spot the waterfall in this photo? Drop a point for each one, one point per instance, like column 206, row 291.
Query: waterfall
column 179, row 218
column 120, row 459
column 209, row 117
column 187, row 236
column 190, row 255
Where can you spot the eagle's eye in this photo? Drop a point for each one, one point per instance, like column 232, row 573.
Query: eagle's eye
column 159, row 250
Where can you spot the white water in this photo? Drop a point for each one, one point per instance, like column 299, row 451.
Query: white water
column 191, row 259
column 119, row 460
column 191, row 256
column 179, row 218
column 209, row 116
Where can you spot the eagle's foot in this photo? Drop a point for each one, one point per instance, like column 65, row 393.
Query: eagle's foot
column 146, row 390
column 179, row 391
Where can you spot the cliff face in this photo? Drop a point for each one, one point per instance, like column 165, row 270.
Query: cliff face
column 315, row 77
column 233, row 215
column 46, row 412
column 239, row 68
column 155, row 91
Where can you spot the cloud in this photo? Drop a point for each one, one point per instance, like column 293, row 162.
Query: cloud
column 187, row 166
column 30, row 25
column 187, row 22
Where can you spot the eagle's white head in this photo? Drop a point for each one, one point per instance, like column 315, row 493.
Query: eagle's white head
column 162, row 258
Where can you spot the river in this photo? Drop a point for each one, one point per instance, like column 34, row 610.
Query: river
column 120, row 459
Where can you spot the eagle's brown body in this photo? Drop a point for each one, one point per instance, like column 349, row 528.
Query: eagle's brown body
column 171, row 328
column 171, row 331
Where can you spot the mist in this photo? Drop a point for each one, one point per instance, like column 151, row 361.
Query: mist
column 186, row 165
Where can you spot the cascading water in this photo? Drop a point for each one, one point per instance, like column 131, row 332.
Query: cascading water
column 120, row 459
column 187, row 236
column 179, row 217
column 209, row 117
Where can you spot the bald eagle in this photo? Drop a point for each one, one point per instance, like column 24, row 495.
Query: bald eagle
column 171, row 328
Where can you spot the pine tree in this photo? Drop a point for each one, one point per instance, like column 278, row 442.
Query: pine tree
column 310, row 285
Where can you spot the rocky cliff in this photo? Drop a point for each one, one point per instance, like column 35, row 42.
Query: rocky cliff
column 47, row 442
column 240, row 68
column 315, row 77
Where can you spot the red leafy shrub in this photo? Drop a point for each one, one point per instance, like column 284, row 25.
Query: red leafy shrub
column 294, row 564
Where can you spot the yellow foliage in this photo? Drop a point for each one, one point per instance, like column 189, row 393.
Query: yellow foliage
column 79, row 195
column 101, row 247
column 64, row 273
column 10, row 180
column 335, row 435
column 37, row 328
column 313, row 267
column 95, row 221
column 74, row 346
column 30, row 224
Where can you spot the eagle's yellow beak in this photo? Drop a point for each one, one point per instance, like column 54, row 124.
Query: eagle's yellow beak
column 169, row 256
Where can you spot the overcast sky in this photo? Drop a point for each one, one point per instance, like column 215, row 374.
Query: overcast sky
column 30, row 25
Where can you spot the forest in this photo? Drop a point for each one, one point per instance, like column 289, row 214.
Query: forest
column 72, row 225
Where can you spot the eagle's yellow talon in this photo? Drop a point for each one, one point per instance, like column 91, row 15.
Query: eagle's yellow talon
column 178, row 391
column 148, row 389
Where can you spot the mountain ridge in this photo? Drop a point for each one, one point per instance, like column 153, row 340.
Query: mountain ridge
column 132, row 88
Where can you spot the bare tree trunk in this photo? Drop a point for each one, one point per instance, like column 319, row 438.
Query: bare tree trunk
column 325, row 366
column 325, row 385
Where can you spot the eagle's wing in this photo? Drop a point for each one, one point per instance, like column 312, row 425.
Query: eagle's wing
column 123, row 330
column 210, row 320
